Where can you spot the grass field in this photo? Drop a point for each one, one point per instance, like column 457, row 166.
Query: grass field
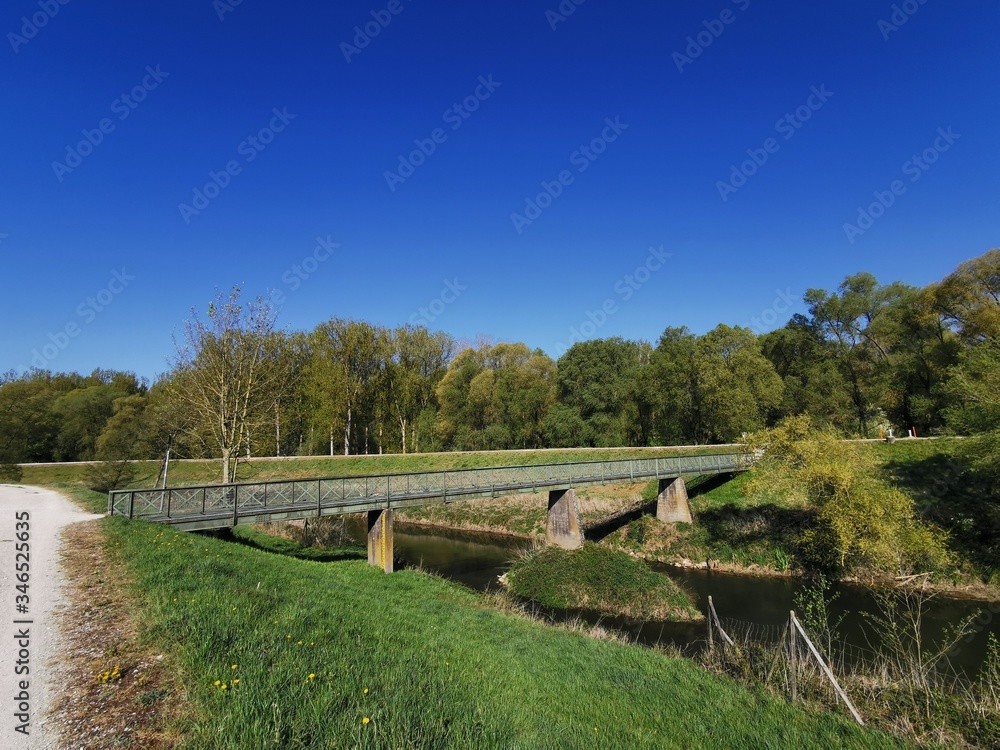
column 336, row 654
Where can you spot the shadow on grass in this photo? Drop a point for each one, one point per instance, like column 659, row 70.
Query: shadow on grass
column 697, row 486
column 771, row 525
column 949, row 493
column 280, row 546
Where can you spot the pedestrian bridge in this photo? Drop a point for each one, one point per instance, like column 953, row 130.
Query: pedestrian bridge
column 223, row 506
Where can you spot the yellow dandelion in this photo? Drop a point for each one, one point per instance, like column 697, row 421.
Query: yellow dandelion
column 366, row 691
column 218, row 682
column 365, row 720
column 234, row 666
column 236, row 682
column 300, row 643
column 311, row 675
column 224, row 686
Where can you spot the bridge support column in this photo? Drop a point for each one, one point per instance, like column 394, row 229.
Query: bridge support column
column 672, row 502
column 562, row 527
column 380, row 539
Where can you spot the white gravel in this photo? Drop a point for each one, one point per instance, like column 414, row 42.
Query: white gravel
column 48, row 512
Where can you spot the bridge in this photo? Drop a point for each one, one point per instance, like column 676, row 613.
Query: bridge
column 224, row 506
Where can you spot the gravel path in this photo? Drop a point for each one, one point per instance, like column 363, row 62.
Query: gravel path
column 47, row 513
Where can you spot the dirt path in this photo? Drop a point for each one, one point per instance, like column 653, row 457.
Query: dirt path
column 29, row 639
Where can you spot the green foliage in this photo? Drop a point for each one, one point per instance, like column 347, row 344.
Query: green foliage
column 812, row 606
column 10, row 473
column 598, row 578
column 864, row 522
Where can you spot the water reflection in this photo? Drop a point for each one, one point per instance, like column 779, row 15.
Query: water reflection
column 477, row 560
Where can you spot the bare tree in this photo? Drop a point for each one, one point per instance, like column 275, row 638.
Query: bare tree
column 228, row 375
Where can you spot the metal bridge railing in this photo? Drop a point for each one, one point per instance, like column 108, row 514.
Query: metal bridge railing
column 298, row 494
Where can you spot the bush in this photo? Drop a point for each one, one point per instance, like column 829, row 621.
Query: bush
column 104, row 476
column 10, row 473
column 863, row 522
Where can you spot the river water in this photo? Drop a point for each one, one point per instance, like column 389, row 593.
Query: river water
column 477, row 560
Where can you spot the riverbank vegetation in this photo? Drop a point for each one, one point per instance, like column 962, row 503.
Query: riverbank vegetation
column 906, row 685
column 597, row 578
column 270, row 650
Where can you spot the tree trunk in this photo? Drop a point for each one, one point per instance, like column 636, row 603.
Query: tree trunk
column 225, row 465
column 402, row 425
column 277, row 430
column 347, row 432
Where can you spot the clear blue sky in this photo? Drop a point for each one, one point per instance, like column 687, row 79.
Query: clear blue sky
column 72, row 220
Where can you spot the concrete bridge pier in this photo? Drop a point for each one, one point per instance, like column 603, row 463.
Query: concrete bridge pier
column 380, row 539
column 672, row 502
column 562, row 526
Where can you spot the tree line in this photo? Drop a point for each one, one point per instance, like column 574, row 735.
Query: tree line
column 865, row 358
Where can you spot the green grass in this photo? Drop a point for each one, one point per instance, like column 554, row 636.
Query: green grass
column 440, row 668
column 206, row 472
column 601, row 579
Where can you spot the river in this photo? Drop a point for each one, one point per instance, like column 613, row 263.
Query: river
column 477, row 560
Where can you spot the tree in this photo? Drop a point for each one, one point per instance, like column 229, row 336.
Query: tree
column 739, row 386
column 969, row 298
column 227, row 376
column 857, row 321
column 814, row 382
column 714, row 387
column 596, row 379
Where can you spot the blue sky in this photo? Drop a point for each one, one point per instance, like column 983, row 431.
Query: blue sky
column 330, row 198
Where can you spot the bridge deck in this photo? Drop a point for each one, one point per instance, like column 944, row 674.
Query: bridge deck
column 227, row 505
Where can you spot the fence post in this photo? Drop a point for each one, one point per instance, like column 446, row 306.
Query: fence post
column 793, row 655
column 131, row 506
column 826, row 669
column 711, row 641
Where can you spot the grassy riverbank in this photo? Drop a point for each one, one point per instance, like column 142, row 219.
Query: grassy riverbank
column 321, row 647
column 597, row 578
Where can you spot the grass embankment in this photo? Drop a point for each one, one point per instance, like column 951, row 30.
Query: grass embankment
column 208, row 472
column 597, row 578
column 273, row 651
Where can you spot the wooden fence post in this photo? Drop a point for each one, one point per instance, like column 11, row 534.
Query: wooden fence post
column 826, row 669
column 793, row 656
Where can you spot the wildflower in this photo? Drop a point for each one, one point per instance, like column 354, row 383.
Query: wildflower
column 366, row 691
column 224, row 686
column 236, row 682
column 311, row 675
column 218, row 682
column 234, row 666
column 365, row 720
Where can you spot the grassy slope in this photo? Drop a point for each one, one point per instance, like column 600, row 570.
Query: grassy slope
column 439, row 667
